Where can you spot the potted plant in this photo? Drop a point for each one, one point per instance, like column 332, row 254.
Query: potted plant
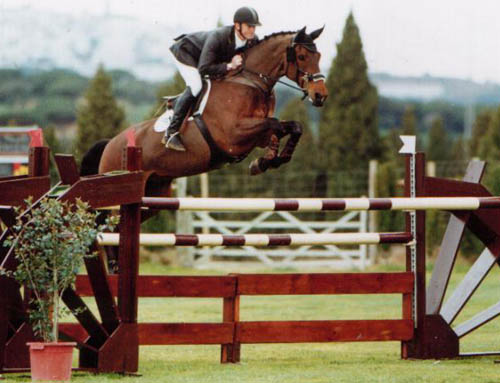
column 50, row 242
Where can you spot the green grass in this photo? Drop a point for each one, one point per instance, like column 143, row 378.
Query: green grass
column 324, row 362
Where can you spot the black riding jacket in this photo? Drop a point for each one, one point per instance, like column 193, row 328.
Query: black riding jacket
column 208, row 51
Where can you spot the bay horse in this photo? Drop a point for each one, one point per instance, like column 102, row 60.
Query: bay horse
column 238, row 117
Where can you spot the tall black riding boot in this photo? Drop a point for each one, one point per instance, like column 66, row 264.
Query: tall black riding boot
column 172, row 137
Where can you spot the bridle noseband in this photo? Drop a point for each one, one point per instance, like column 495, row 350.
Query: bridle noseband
column 291, row 58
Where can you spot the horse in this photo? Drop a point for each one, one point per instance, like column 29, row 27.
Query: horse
column 237, row 115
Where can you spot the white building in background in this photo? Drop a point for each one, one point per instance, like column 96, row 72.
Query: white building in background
column 14, row 149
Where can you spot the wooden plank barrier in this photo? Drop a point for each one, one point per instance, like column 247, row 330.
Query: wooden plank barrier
column 111, row 343
column 232, row 332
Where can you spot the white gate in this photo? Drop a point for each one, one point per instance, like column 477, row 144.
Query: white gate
column 339, row 257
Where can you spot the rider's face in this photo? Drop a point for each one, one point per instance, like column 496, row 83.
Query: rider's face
column 246, row 31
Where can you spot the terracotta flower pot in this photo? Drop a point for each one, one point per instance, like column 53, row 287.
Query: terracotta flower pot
column 51, row 361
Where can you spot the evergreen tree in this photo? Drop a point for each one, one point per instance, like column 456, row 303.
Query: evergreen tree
column 479, row 130
column 302, row 169
column 392, row 141
column 49, row 135
column 100, row 116
column 349, row 134
column 438, row 148
column 409, row 122
column 489, row 143
column 303, row 159
column 458, row 151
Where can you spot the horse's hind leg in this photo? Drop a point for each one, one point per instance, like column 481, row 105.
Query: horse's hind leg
column 156, row 186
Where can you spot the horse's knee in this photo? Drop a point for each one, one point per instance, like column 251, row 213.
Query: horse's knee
column 296, row 130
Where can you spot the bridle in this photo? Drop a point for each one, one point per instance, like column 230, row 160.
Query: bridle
column 291, row 58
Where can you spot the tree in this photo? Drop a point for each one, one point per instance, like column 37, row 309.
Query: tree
column 438, row 148
column 458, row 152
column 489, row 143
column 303, row 159
column 409, row 123
column 479, row 130
column 99, row 116
column 349, row 134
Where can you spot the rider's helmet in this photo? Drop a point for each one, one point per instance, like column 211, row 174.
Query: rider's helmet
column 246, row 15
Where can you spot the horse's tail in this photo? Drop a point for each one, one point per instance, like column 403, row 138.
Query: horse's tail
column 91, row 159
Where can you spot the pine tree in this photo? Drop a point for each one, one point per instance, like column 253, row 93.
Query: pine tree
column 409, row 121
column 458, row 152
column 392, row 141
column 438, row 148
column 479, row 130
column 349, row 134
column 489, row 144
column 100, row 116
column 303, row 159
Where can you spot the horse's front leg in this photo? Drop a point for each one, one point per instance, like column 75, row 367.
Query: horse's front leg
column 260, row 165
column 294, row 129
column 272, row 159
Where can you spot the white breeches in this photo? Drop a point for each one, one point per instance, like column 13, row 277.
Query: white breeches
column 190, row 75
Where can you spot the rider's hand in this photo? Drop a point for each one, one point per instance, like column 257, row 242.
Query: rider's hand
column 235, row 63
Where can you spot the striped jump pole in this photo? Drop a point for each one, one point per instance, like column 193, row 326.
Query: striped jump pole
column 316, row 204
column 260, row 240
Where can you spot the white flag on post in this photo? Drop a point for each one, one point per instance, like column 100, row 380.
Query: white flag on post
column 408, row 144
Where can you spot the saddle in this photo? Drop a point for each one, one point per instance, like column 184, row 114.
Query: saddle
column 163, row 121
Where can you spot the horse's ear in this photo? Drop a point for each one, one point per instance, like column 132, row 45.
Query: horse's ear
column 300, row 35
column 315, row 34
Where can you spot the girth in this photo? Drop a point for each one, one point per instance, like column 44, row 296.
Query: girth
column 217, row 156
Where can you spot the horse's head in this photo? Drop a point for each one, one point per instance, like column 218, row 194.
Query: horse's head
column 302, row 58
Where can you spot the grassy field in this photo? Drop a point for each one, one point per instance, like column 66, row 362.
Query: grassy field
column 325, row 362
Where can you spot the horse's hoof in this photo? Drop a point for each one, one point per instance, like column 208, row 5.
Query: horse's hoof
column 255, row 168
column 175, row 143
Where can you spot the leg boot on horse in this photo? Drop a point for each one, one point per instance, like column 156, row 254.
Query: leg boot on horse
column 172, row 137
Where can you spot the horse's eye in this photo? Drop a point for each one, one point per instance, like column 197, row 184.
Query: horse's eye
column 302, row 57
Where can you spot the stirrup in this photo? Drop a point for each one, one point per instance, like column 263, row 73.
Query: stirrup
column 174, row 142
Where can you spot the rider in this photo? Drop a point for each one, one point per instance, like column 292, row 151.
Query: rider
column 211, row 54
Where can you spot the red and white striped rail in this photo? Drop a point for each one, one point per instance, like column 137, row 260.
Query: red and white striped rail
column 263, row 240
column 316, row 204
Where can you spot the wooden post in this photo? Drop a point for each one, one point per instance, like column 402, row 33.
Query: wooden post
column 39, row 159
column 16, row 354
column 431, row 169
column 230, row 353
column 128, row 261
column 372, row 215
column 419, row 294
column 185, row 255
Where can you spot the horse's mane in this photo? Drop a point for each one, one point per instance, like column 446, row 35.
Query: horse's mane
column 275, row 34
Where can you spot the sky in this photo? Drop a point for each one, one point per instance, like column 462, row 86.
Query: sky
column 448, row 38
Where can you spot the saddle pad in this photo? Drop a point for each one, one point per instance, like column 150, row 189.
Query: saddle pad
column 164, row 120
